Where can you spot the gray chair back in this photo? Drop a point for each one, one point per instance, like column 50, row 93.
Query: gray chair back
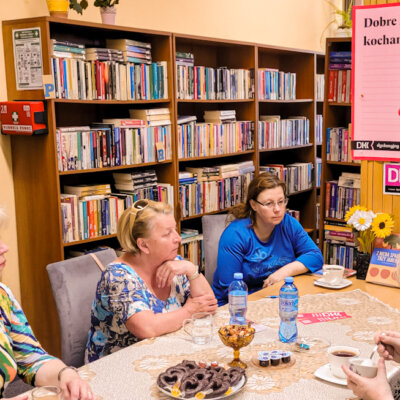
column 213, row 226
column 74, row 283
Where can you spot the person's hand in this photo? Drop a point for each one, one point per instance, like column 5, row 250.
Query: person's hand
column 273, row 278
column 20, row 397
column 388, row 345
column 166, row 271
column 204, row 303
column 369, row 388
column 74, row 387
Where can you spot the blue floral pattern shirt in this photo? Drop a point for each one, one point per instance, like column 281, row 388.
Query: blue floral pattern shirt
column 120, row 294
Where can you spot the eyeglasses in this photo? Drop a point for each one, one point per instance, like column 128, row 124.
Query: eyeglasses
column 139, row 205
column 272, row 204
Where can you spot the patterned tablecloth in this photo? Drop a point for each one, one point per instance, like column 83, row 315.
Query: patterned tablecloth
column 131, row 373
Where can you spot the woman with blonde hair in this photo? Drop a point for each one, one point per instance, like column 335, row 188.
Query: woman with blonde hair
column 20, row 352
column 149, row 290
column 263, row 242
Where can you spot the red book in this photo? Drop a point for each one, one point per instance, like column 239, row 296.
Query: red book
column 344, row 85
column 327, row 198
column 331, row 85
column 104, row 148
column 335, row 85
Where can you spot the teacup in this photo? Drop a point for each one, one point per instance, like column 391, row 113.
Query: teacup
column 341, row 355
column 364, row 367
column 333, row 274
column 46, row 393
column 201, row 327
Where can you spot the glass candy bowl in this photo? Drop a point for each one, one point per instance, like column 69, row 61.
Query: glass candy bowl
column 236, row 336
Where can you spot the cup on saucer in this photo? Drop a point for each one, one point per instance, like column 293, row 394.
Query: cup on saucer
column 333, row 274
column 364, row 366
column 341, row 355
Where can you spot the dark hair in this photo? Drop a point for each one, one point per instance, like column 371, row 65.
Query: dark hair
column 257, row 185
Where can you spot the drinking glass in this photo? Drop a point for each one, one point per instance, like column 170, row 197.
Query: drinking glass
column 46, row 393
column 199, row 327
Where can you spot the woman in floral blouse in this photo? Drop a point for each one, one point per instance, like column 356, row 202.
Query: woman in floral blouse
column 21, row 354
column 149, row 290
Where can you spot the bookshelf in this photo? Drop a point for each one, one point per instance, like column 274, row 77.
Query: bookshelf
column 335, row 114
column 38, row 182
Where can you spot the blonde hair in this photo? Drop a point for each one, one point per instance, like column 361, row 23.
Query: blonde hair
column 3, row 217
column 136, row 222
column 257, row 185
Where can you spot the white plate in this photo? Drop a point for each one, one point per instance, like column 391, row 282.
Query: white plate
column 325, row 373
column 235, row 389
column 322, row 283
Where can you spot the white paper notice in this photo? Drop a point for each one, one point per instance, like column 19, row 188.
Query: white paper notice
column 376, row 78
column 28, row 58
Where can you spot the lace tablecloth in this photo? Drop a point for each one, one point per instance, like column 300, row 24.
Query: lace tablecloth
column 131, row 373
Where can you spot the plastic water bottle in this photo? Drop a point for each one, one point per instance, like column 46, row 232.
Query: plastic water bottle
column 238, row 300
column 288, row 306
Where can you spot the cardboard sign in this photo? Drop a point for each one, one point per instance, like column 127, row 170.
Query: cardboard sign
column 383, row 267
column 312, row 318
column 391, row 178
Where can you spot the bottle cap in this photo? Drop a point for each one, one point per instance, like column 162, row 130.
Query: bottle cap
column 238, row 275
column 289, row 279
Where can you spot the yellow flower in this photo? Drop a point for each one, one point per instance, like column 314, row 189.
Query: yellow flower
column 352, row 210
column 382, row 225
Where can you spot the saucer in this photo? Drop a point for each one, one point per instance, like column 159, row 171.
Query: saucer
column 325, row 374
column 322, row 283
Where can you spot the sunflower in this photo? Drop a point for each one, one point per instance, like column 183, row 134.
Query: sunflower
column 382, row 225
column 352, row 210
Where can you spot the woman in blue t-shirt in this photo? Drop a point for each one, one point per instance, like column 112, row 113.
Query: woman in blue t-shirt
column 263, row 242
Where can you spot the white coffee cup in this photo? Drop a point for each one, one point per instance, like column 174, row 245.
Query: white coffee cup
column 341, row 355
column 199, row 327
column 333, row 274
column 364, row 367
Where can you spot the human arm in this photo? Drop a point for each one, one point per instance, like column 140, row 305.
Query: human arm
column 370, row 388
column 147, row 324
column 72, row 385
column 389, row 345
column 231, row 252
column 169, row 269
column 308, row 256
column 34, row 365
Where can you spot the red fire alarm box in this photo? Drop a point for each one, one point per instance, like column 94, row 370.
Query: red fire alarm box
column 23, row 118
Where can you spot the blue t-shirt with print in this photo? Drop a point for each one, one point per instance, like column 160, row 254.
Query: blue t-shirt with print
column 240, row 250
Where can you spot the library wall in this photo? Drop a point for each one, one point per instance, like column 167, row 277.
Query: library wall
column 280, row 23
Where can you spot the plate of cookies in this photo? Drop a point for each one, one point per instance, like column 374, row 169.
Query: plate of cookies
column 201, row 380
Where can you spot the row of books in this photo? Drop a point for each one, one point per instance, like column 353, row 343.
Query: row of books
column 294, row 213
column 297, row 176
column 318, row 129
column 276, row 85
column 338, row 144
column 338, row 253
column 192, row 247
column 108, row 145
column 320, row 87
column 209, row 139
column 206, row 83
column 109, row 80
column 342, row 194
column 340, row 60
column 339, row 86
column 318, row 171
column 127, row 50
column 198, row 197
column 274, row 132
column 90, row 211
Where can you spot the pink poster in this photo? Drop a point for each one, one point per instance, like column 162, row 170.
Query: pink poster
column 376, row 82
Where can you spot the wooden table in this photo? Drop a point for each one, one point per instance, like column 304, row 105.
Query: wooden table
column 131, row 373
column 305, row 285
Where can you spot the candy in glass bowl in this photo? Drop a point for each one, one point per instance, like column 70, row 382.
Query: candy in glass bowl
column 236, row 336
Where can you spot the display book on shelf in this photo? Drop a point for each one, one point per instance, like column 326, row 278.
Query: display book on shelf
column 93, row 150
column 341, row 179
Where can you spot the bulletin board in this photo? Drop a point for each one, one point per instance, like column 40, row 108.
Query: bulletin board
column 376, row 82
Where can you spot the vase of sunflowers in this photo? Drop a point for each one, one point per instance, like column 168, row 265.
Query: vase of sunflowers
column 368, row 226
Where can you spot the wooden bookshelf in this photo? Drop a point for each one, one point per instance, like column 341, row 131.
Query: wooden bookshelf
column 38, row 183
column 335, row 114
